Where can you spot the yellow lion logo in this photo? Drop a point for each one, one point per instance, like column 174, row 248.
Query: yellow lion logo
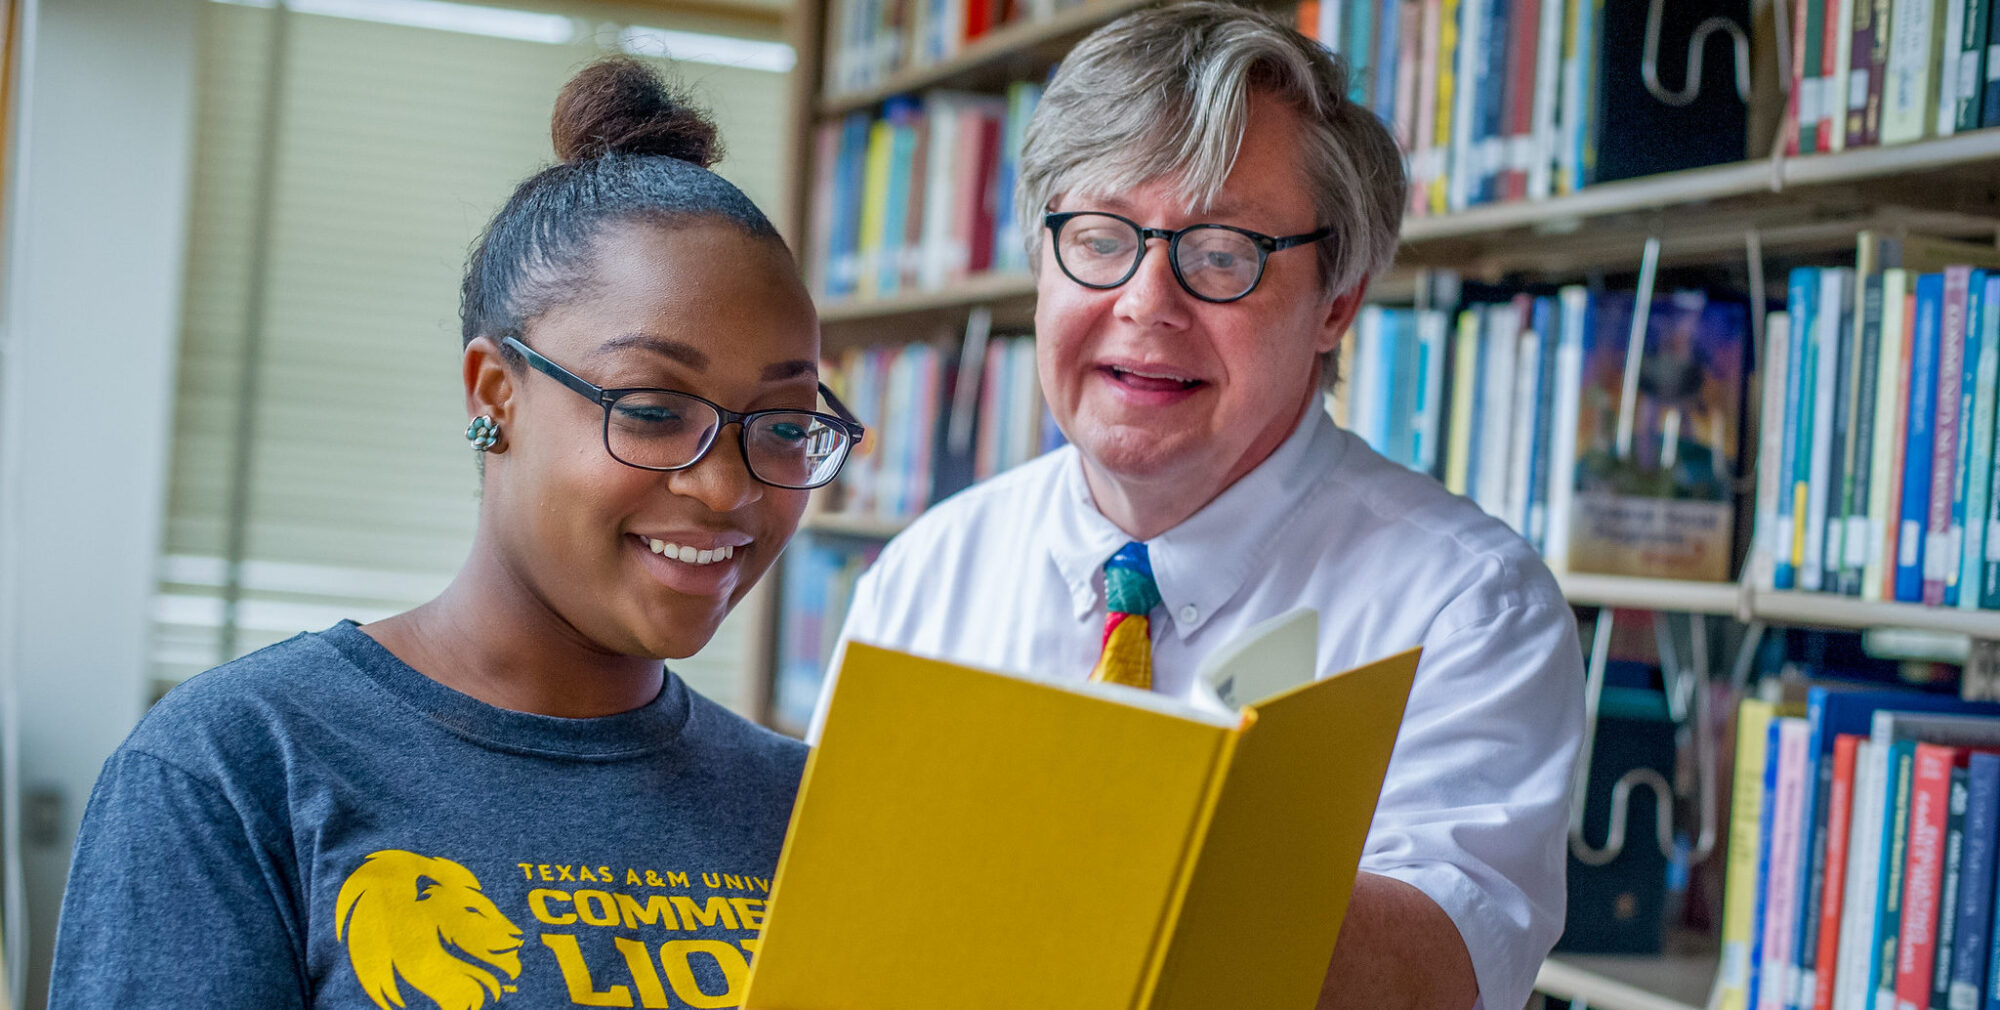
column 413, row 916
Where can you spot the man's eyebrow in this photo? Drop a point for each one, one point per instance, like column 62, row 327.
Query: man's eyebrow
column 789, row 370
column 681, row 351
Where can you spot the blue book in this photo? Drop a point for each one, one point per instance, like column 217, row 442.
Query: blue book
column 1946, row 932
column 1766, row 815
column 1489, row 139
column 1802, row 302
column 1388, row 37
column 1974, row 910
column 1968, row 388
column 1482, row 363
column 1546, row 319
column 1359, row 47
column 1888, row 895
column 1916, row 497
column 1978, row 495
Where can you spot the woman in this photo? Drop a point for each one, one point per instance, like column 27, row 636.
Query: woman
column 502, row 795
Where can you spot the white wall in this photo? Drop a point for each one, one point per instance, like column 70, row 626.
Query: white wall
column 88, row 331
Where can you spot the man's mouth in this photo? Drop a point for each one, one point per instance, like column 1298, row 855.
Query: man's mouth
column 1150, row 381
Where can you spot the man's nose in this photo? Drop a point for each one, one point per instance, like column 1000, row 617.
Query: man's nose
column 1153, row 296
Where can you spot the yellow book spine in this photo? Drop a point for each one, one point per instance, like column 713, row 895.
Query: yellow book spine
column 874, row 206
column 1465, row 368
column 1447, row 90
column 1739, row 896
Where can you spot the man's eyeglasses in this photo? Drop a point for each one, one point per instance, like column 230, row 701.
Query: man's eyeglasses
column 660, row 429
column 1213, row 262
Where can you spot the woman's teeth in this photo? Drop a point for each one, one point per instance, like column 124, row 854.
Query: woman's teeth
column 689, row 555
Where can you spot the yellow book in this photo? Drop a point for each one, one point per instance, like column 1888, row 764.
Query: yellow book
column 1464, row 378
column 1739, row 893
column 874, row 207
column 975, row 840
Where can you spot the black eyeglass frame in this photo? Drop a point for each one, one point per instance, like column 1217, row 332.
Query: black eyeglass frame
column 605, row 397
column 1266, row 245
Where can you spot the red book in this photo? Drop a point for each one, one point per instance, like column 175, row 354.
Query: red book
column 1939, row 557
column 1923, row 875
column 986, row 183
column 1896, row 446
column 1523, row 37
column 1831, row 104
column 1839, row 808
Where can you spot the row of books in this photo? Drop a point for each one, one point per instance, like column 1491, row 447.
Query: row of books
column 816, row 587
column 935, row 424
column 1876, row 473
column 920, row 196
column 1868, row 72
column 1526, row 406
column 1861, row 859
column 870, row 40
column 1499, row 100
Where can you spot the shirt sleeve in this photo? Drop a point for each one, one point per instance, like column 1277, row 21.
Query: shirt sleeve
column 173, row 900
column 1474, row 809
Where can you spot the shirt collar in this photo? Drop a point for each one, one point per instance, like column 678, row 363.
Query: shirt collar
column 1202, row 563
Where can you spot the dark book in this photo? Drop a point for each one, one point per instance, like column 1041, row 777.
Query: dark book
column 1637, row 133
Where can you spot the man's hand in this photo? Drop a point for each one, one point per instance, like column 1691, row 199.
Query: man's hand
column 1397, row 948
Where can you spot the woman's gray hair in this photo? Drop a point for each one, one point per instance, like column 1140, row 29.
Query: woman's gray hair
column 1164, row 94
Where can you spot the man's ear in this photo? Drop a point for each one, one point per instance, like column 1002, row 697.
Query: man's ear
column 489, row 382
column 1339, row 317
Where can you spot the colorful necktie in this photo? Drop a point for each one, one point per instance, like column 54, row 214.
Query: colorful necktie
column 1128, row 633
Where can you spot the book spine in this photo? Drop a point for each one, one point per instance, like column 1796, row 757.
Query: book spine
column 1971, row 66
column 1917, row 456
column 1939, row 559
column 1923, row 871
column 1576, row 319
column 1878, row 72
column 1803, row 101
column 1409, row 56
column 1861, row 537
column 1388, row 42
column 1527, row 373
column 1947, row 910
column 1889, row 891
column 1907, row 90
column 1989, row 103
column 1523, row 34
column 1899, row 438
column 1548, row 79
column 1986, row 387
column 1776, row 369
column 1775, row 987
column 1462, row 175
column 1741, row 884
column 1968, row 395
column 1839, row 816
column 1451, row 19
column 1944, row 81
column 1861, row 44
column 1823, row 395
column 1840, row 45
column 1839, row 478
column 1464, row 388
column 1802, row 299
column 1812, row 849
column 1857, row 917
column 1976, row 883
column 1546, row 331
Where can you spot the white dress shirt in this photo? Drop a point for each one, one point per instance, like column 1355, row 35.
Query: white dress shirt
column 1007, row 575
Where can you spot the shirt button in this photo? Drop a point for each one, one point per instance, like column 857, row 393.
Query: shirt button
column 1189, row 614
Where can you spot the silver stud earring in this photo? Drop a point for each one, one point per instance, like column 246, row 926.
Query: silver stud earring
column 483, row 433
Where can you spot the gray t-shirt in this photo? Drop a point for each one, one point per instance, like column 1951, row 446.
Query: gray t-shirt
column 319, row 825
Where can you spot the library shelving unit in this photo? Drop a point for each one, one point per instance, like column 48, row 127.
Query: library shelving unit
column 1810, row 205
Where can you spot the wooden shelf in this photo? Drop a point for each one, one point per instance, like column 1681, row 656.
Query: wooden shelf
column 859, row 527
column 1672, row 981
column 919, row 315
column 1671, row 595
column 1825, row 610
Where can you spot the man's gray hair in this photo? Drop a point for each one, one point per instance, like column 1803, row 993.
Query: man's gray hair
column 1164, row 94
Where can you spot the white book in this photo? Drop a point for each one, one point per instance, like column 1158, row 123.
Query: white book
column 1947, row 60
column 1889, row 381
column 1857, row 916
column 1771, row 441
column 940, row 171
column 1460, row 170
column 1527, row 370
column 1431, row 326
column 1835, row 95
column 1548, row 75
column 1906, row 86
column 1497, row 426
column 1364, row 386
column 1562, row 444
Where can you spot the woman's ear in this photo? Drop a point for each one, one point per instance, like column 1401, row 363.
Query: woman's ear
column 1339, row 317
column 489, row 382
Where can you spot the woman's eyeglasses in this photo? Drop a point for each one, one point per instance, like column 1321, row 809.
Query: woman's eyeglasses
column 662, row 429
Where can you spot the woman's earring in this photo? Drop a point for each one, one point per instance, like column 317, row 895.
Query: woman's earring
column 483, row 433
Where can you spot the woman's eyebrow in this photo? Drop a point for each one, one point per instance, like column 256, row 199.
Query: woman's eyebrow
column 789, row 370
column 685, row 353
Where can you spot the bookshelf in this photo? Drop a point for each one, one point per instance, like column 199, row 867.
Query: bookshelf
column 1796, row 207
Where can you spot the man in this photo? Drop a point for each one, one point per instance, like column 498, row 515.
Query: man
column 1185, row 362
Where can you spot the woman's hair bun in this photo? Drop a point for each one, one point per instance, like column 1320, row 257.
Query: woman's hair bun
column 621, row 106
